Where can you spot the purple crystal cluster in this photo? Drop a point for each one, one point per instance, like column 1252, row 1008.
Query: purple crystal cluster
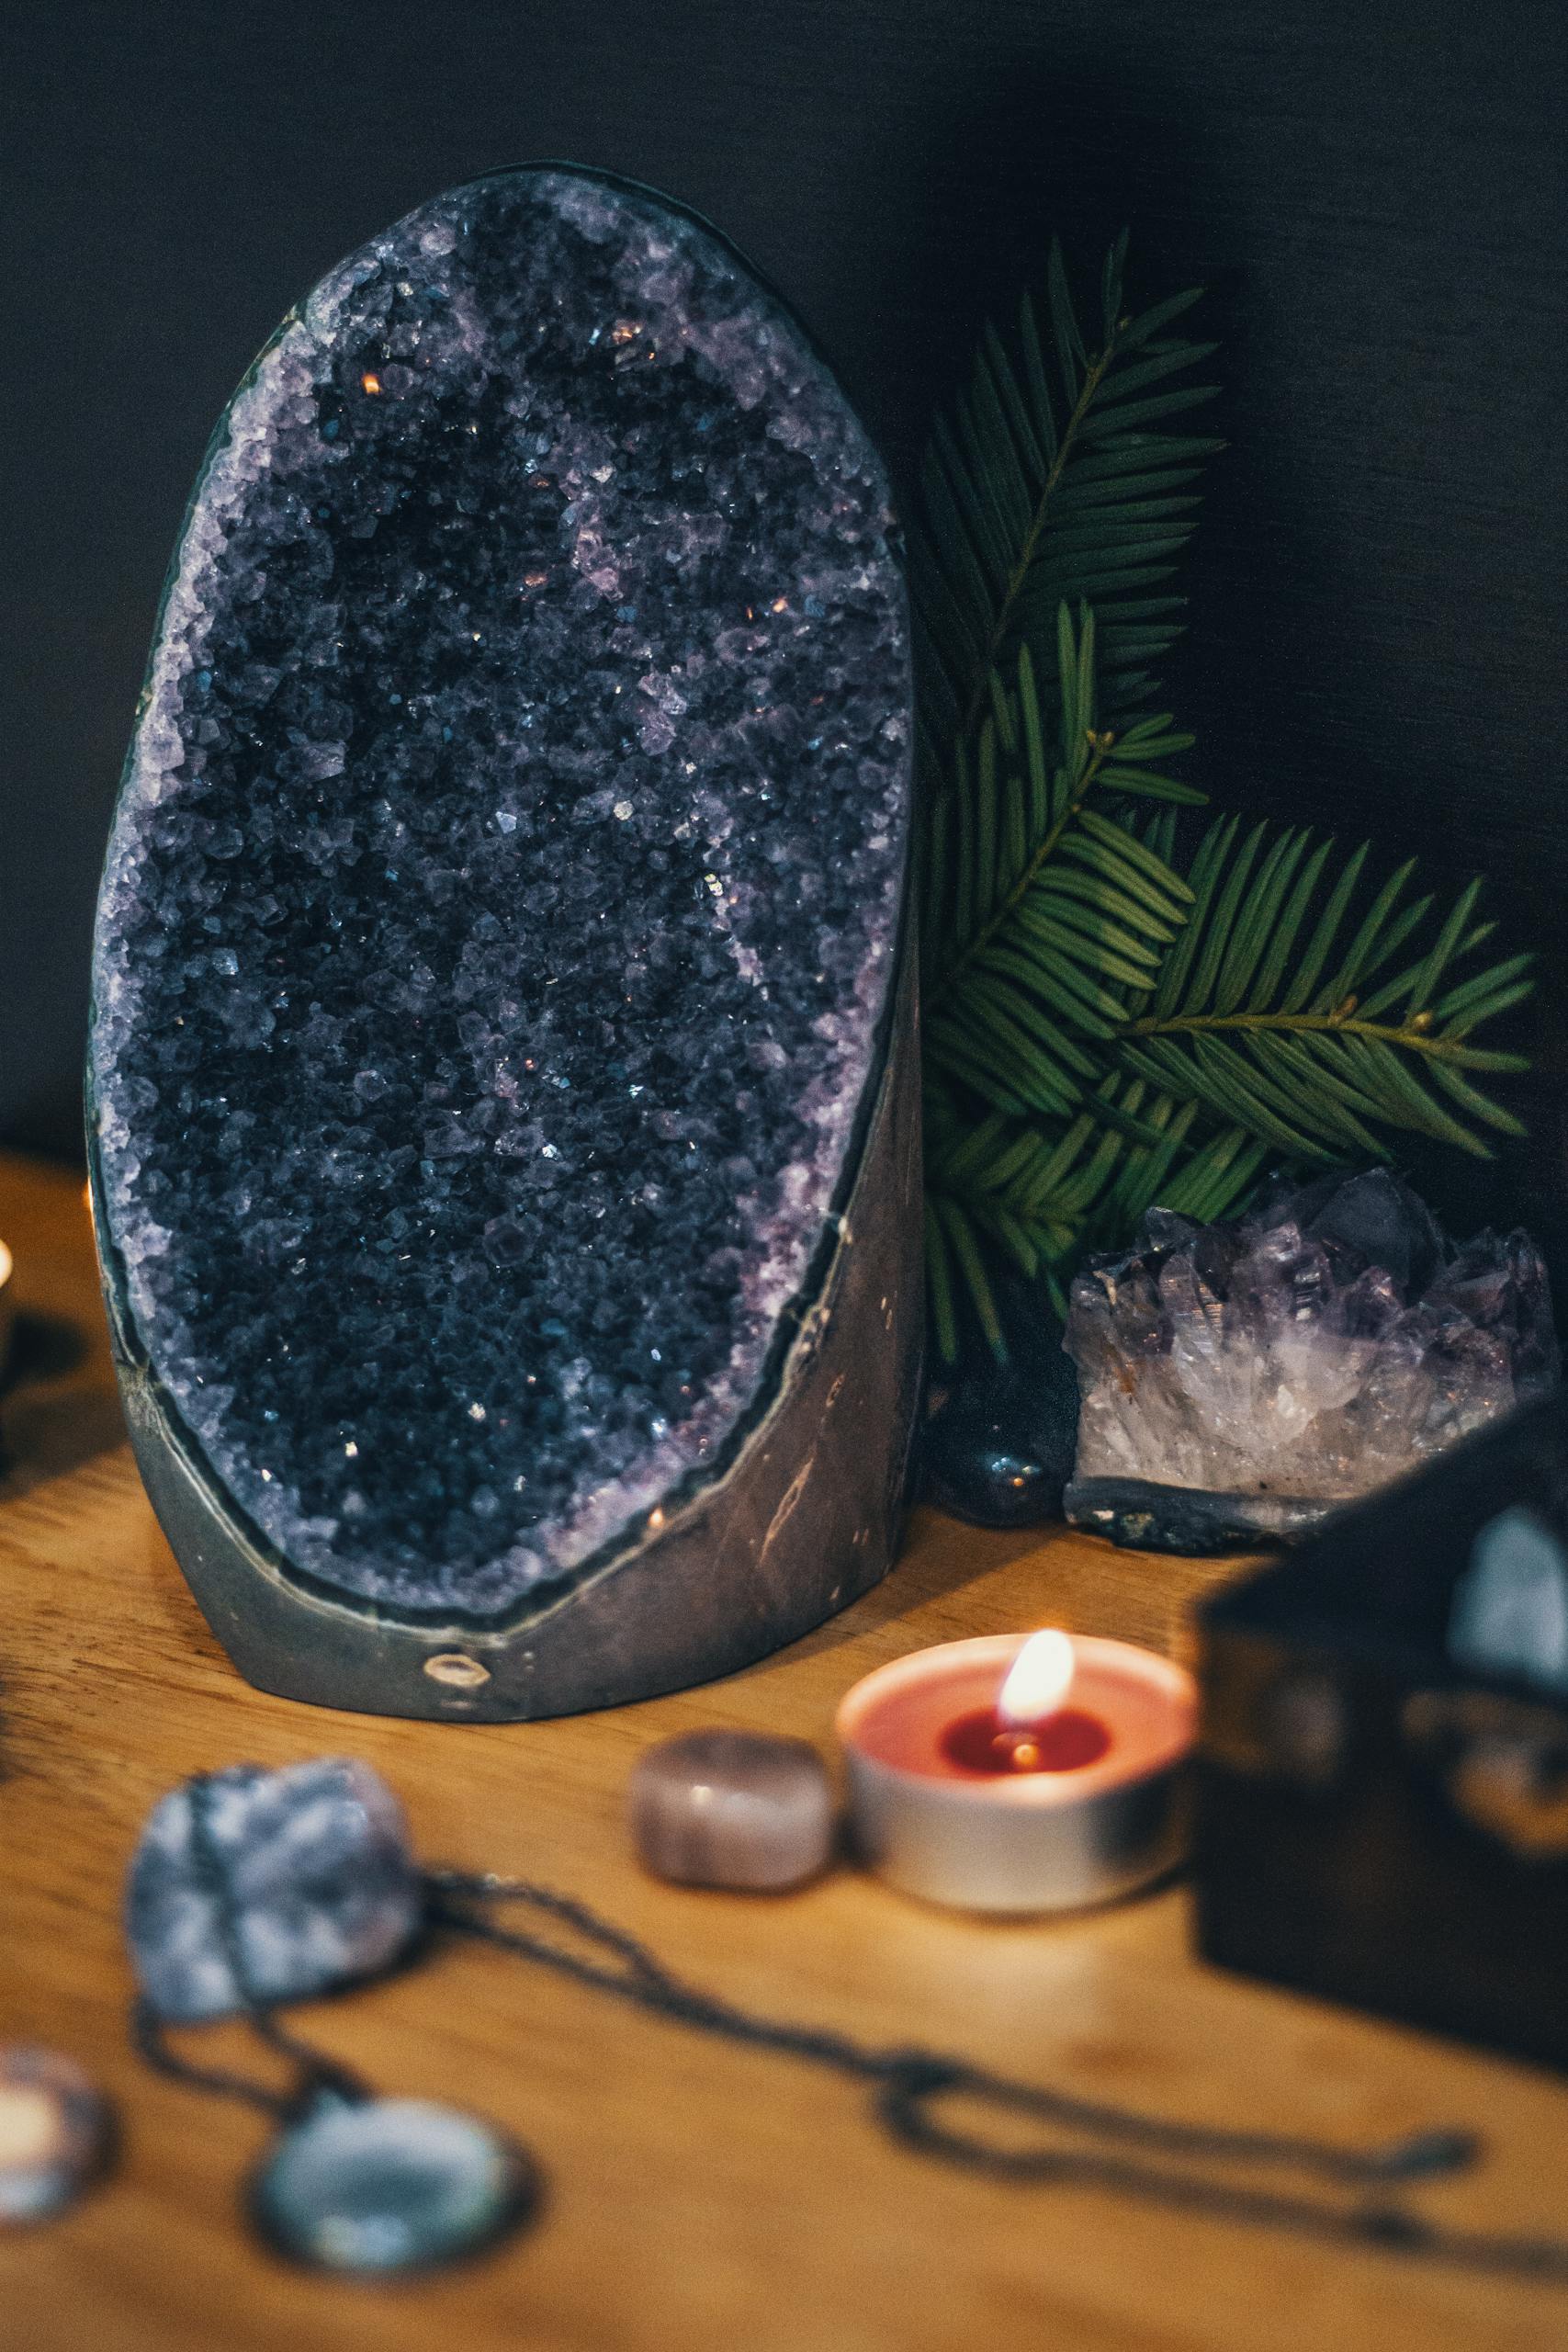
column 499, row 914
column 1328, row 1341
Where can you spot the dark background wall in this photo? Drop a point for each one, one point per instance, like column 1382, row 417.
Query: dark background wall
column 1373, row 192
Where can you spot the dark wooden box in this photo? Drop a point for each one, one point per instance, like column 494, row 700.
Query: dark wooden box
column 1375, row 1823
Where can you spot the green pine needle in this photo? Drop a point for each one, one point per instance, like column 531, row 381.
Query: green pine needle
column 1108, row 1025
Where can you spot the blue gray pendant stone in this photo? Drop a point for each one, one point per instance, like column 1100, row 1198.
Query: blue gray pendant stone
column 379, row 2185
column 250, row 1888
column 494, row 972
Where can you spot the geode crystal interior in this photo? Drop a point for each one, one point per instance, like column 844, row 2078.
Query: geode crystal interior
column 495, row 955
column 1244, row 1379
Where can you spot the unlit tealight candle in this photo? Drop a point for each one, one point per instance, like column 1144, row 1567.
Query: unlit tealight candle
column 732, row 1808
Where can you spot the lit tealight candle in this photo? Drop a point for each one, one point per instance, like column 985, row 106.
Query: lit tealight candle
column 1008, row 1775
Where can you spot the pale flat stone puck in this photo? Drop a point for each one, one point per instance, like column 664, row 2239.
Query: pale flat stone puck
column 375, row 2187
column 55, row 2133
column 732, row 1808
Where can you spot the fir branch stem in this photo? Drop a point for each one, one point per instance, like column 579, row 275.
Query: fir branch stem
column 1413, row 1034
column 943, row 984
column 996, row 643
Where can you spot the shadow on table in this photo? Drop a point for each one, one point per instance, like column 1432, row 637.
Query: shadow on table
column 938, row 1559
column 52, row 1420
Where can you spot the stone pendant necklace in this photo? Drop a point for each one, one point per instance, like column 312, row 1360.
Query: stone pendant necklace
column 351, row 2182
column 250, row 1889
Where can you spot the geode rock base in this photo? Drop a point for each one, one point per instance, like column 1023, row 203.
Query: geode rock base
column 808, row 1518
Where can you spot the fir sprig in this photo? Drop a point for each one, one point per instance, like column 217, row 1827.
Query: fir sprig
column 1107, row 1024
column 1054, row 481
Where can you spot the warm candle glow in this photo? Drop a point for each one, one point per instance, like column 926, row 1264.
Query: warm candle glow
column 1039, row 1679
column 954, row 1803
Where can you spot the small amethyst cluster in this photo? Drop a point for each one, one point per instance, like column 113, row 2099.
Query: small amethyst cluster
column 1326, row 1342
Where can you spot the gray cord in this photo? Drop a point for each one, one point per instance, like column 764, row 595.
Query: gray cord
column 315, row 2074
column 1129, row 2152
column 908, row 2083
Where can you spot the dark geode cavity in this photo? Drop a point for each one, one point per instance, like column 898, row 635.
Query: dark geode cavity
column 1242, row 1381
column 499, row 1074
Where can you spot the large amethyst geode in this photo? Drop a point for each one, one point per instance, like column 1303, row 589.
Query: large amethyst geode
column 1241, row 1381
column 494, row 1067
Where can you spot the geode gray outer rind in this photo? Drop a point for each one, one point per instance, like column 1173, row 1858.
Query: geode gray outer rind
column 710, row 1562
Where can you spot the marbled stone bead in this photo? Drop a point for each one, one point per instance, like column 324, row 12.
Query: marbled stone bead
column 250, row 1887
column 54, row 2131
column 732, row 1808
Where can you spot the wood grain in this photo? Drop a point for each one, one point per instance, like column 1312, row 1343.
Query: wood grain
column 701, row 2197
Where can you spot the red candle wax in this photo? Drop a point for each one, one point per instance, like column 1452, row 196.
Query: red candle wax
column 1064, row 1741
column 901, row 1717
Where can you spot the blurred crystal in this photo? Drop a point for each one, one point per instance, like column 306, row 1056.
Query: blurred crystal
column 55, row 2133
column 250, row 1888
column 1510, row 1607
column 1330, row 1341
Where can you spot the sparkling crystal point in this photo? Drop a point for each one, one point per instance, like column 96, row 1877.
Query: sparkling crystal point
column 1244, row 1379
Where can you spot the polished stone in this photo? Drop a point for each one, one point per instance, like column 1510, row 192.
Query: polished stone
column 375, row 2187
column 55, row 2133
column 249, row 1888
column 499, row 914
column 732, row 1808
column 997, row 1445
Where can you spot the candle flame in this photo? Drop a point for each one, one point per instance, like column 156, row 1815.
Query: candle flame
column 1039, row 1679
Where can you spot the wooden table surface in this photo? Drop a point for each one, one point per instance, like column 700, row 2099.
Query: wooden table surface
column 702, row 2197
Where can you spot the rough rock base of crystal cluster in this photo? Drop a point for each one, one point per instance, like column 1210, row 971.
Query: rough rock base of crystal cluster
column 1143, row 1515
column 1240, row 1382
